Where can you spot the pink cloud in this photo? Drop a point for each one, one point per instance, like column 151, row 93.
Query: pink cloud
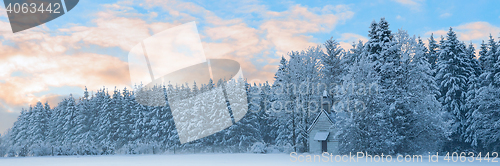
column 346, row 40
column 287, row 30
column 470, row 31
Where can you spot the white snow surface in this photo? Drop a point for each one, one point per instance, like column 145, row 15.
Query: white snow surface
column 201, row 160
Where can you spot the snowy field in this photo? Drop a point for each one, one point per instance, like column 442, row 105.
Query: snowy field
column 199, row 159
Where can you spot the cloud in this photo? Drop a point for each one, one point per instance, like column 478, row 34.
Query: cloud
column 113, row 31
column 445, row 15
column 400, row 18
column 61, row 60
column 91, row 70
column 288, row 30
column 473, row 31
column 346, row 40
column 43, row 61
column 414, row 5
column 477, row 31
column 3, row 12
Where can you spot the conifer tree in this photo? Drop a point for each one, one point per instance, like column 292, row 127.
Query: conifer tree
column 452, row 75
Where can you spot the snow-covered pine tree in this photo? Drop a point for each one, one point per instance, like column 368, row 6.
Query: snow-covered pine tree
column 433, row 52
column 47, row 121
column 37, row 128
column 452, row 75
column 488, row 62
column 496, row 72
column 92, row 123
column 56, row 123
column 359, row 127
column 481, row 132
column 140, row 121
column 105, row 122
column 388, row 67
column 331, row 63
column 125, row 118
column 69, row 123
column 195, row 89
column 303, row 71
column 18, row 136
column 245, row 132
column 266, row 128
column 281, row 106
column 171, row 137
column 482, row 54
column 419, row 124
column 353, row 55
column 491, row 55
column 3, row 146
column 255, row 95
column 210, row 84
column 80, row 132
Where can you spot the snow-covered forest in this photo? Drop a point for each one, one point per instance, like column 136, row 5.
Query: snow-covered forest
column 393, row 94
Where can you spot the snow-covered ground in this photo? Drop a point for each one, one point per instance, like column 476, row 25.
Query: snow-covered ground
column 202, row 160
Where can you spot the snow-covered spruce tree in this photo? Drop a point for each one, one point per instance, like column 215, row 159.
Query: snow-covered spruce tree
column 92, row 106
column 453, row 71
column 335, row 64
column 496, row 76
column 303, row 70
column 419, row 125
column 138, row 126
column 114, row 127
column 483, row 129
column 18, row 136
column 360, row 117
column 245, row 132
column 69, row 123
column 331, row 63
column 153, row 118
column 38, row 126
column 352, row 56
column 281, row 105
column 362, row 109
column 482, row 54
column 432, row 56
column 105, row 121
column 125, row 118
column 396, row 92
column 474, row 84
column 80, row 132
column 56, row 123
column 384, row 53
column 170, row 137
column 266, row 128
column 256, row 99
column 488, row 62
column 491, row 55
column 167, row 129
column 3, row 146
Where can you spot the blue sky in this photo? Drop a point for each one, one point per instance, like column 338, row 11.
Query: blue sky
column 88, row 46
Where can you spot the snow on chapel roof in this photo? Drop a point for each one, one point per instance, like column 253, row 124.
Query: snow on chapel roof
column 317, row 118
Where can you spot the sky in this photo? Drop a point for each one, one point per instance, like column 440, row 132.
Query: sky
column 89, row 45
